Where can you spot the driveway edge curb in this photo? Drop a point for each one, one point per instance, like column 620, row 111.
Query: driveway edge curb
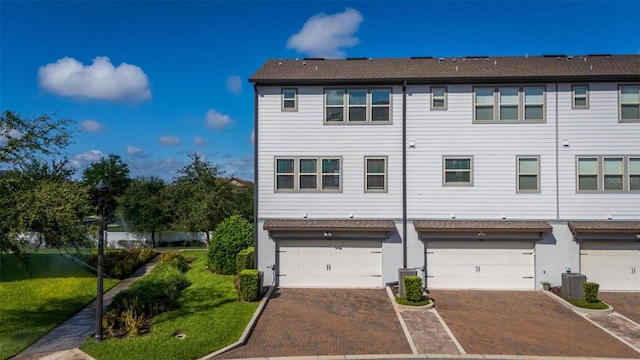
column 247, row 330
column 579, row 310
column 407, row 334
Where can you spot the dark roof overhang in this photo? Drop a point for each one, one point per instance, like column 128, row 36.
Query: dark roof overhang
column 605, row 230
column 329, row 229
column 481, row 229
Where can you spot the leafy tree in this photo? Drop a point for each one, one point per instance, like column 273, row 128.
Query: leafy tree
column 115, row 174
column 230, row 237
column 243, row 202
column 199, row 199
column 21, row 139
column 142, row 205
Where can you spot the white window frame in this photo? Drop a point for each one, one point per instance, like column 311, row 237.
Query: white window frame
column 443, row 98
column 575, row 96
column 297, row 173
column 369, row 106
column 285, row 99
column 497, row 105
column 367, row 174
column 445, row 170
column 520, row 173
column 620, row 103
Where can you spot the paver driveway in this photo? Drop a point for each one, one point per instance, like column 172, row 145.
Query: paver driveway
column 522, row 323
column 303, row 322
column 625, row 303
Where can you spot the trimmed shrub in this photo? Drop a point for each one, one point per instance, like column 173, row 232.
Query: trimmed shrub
column 230, row 237
column 179, row 261
column 122, row 263
column 155, row 293
column 413, row 287
column 244, row 259
column 249, row 284
column 590, row 291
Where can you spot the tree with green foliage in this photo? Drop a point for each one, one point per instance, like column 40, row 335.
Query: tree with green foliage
column 115, row 174
column 243, row 202
column 199, row 199
column 233, row 235
column 142, row 205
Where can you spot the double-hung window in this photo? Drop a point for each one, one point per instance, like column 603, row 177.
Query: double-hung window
column 375, row 174
column 588, row 174
column 609, row 173
column 289, row 99
column 630, row 103
column 634, row 173
column 307, row 174
column 438, row 98
column 580, row 97
column 457, row 170
column 528, row 174
column 509, row 104
column 613, row 174
column 358, row 105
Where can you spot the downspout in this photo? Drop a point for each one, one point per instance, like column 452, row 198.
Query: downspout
column 557, row 159
column 255, row 175
column 404, row 174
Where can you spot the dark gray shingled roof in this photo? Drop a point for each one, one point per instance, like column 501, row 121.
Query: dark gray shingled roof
column 472, row 225
column 450, row 70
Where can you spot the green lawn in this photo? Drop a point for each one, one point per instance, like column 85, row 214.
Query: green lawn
column 210, row 315
column 34, row 299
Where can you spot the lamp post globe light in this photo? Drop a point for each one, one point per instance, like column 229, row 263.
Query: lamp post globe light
column 102, row 189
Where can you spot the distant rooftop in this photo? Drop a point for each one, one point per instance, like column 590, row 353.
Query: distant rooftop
column 470, row 69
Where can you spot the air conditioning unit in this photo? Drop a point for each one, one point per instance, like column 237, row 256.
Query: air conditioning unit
column 402, row 273
column 572, row 286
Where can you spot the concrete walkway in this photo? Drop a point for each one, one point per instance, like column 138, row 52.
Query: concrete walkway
column 63, row 341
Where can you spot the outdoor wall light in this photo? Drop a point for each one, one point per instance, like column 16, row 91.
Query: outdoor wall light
column 327, row 234
column 481, row 233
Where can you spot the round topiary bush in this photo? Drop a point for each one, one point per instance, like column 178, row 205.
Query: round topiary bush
column 231, row 236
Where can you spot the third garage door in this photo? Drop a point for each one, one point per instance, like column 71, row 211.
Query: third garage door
column 330, row 263
column 463, row 264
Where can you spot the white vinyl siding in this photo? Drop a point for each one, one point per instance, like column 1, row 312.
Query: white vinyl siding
column 358, row 105
column 528, row 168
column 630, row 103
column 513, row 104
column 580, row 99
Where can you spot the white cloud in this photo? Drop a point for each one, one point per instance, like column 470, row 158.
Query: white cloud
column 100, row 80
column 325, row 35
column 79, row 161
column 169, row 141
column 253, row 137
column 91, row 126
column 200, row 141
column 133, row 151
column 217, row 121
column 234, row 84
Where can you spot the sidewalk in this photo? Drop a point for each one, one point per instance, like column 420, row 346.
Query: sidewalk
column 75, row 331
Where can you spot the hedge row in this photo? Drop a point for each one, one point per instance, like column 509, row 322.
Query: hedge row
column 249, row 284
column 122, row 263
column 244, row 259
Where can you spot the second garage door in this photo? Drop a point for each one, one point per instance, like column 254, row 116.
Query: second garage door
column 480, row 265
column 330, row 263
column 615, row 266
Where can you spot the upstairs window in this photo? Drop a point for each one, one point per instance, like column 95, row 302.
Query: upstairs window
column 634, row 174
column 375, row 174
column 613, row 174
column 358, row 106
column 457, row 171
column 438, row 98
column 307, row 174
column 587, row 174
column 580, row 97
column 630, row 103
column 513, row 104
column 528, row 174
column 285, row 174
column 290, row 99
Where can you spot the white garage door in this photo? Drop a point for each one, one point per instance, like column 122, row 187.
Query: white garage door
column 480, row 265
column 330, row 263
column 615, row 266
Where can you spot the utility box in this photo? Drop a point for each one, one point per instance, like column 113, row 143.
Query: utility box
column 402, row 273
column 572, row 286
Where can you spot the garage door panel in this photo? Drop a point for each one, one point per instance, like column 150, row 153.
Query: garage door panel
column 480, row 265
column 614, row 266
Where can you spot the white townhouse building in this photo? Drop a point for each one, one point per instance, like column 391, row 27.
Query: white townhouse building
column 482, row 172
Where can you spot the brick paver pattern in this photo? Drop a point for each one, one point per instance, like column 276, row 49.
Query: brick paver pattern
column 523, row 323
column 427, row 333
column 305, row 322
column 620, row 326
column 625, row 303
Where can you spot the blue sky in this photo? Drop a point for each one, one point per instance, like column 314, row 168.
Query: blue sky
column 156, row 81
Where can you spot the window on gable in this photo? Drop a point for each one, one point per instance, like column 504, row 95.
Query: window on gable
column 580, row 97
column 375, row 174
column 630, row 103
column 634, row 174
column 290, row 99
column 307, row 174
column 513, row 104
column 528, row 174
column 458, row 171
column 438, row 98
column 357, row 105
column 285, row 174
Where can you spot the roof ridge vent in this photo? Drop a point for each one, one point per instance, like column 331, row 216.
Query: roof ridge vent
column 421, row 57
column 313, row 58
column 356, row 58
column 555, row 56
column 440, row 60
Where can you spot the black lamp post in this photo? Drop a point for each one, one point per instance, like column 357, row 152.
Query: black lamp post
column 102, row 188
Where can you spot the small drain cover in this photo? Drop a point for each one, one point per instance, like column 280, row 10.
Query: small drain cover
column 181, row 336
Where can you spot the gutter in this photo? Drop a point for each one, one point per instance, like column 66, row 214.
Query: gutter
column 404, row 174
